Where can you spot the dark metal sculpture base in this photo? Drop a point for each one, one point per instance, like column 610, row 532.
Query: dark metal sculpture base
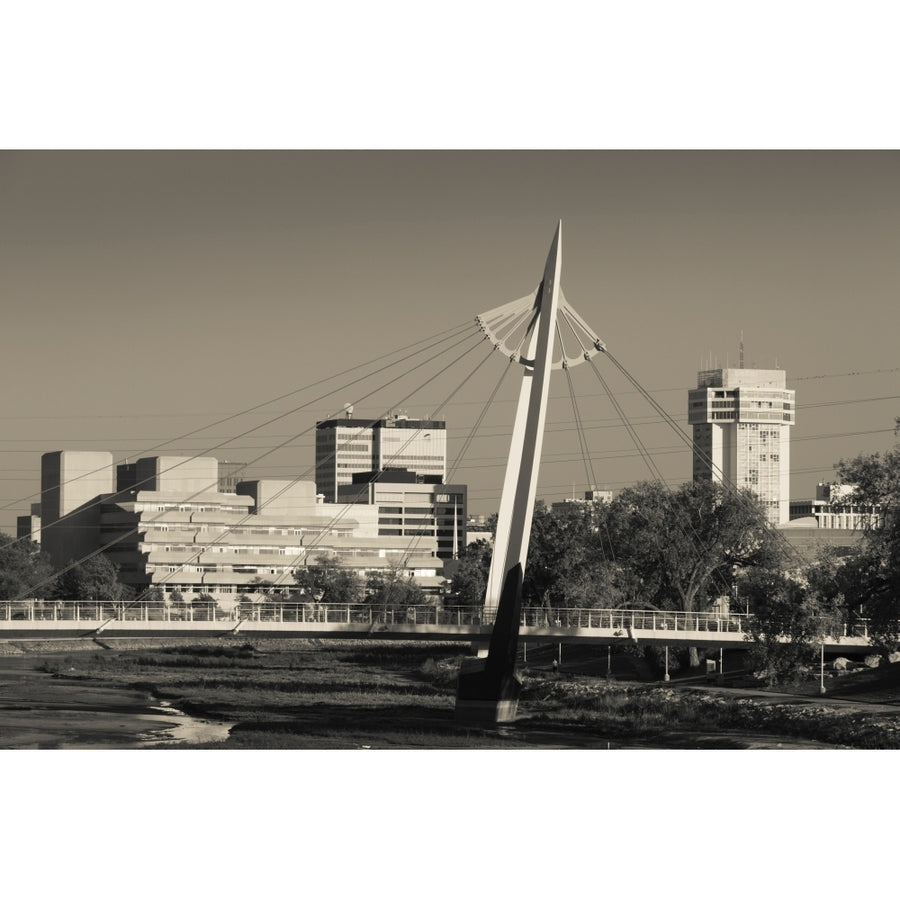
column 485, row 696
column 487, row 690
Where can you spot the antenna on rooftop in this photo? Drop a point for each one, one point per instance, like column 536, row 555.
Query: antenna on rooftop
column 742, row 350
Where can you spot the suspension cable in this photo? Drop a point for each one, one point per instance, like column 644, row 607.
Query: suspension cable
column 582, row 439
column 279, row 446
column 487, row 404
column 456, row 330
column 638, row 443
column 293, row 437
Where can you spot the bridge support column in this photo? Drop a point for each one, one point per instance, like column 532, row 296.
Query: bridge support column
column 488, row 690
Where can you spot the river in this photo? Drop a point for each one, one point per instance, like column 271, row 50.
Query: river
column 39, row 711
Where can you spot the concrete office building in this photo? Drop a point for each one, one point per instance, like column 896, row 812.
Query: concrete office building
column 741, row 420
column 30, row 526
column 230, row 475
column 71, row 481
column 834, row 509
column 477, row 530
column 167, row 524
column 77, row 485
column 412, row 508
column 347, row 446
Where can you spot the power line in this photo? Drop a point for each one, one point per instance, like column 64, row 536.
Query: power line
column 189, row 415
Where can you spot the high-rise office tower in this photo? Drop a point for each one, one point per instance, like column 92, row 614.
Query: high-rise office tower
column 347, row 446
column 741, row 420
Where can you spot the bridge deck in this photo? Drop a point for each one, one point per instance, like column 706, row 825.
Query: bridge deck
column 39, row 619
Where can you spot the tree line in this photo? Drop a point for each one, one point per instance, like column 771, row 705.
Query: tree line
column 26, row 572
column 705, row 546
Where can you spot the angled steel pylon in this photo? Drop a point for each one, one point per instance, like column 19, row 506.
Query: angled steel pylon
column 488, row 689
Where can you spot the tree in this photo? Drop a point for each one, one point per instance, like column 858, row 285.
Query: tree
column 327, row 580
column 790, row 617
column 204, row 606
column 24, row 570
column 469, row 582
column 177, row 603
column 93, row 579
column 874, row 586
column 244, row 605
column 392, row 589
column 683, row 547
column 263, row 587
column 563, row 566
column 680, row 550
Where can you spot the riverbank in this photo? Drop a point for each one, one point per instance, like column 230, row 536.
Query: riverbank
column 60, row 710
column 232, row 694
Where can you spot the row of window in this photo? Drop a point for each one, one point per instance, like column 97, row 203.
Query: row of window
column 187, row 507
column 336, row 531
column 255, row 549
column 194, row 588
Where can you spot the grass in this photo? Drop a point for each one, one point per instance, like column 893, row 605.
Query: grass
column 348, row 694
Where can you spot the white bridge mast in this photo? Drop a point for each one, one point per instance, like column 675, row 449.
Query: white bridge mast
column 488, row 689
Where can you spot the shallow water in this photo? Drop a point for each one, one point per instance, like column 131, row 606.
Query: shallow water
column 41, row 712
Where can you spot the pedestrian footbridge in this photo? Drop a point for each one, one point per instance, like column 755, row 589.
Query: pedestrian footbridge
column 47, row 620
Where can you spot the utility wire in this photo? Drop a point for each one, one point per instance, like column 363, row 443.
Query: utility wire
column 134, row 531
column 456, row 330
column 208, row 451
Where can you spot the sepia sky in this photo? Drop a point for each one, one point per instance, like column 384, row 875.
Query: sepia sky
column 146, row 294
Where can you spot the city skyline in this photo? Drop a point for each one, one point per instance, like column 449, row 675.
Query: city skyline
column 150, row 293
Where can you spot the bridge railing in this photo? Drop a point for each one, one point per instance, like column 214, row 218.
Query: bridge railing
column 633, row 619
column 369, row 614
column 373, row 614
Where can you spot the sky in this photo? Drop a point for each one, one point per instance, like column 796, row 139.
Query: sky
column 151, row 293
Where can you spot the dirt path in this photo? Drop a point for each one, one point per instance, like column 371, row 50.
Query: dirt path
column 848, row 704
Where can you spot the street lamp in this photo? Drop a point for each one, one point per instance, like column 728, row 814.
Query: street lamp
column 822, row 667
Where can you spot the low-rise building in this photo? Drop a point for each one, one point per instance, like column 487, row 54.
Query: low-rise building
column 169, row 526
column 592, row 496
column 29, row 527
column 414, row 507
column 834, row 507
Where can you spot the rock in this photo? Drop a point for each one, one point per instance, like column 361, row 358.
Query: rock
column 873, row 660
column 840, row 664
column 894, row 657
